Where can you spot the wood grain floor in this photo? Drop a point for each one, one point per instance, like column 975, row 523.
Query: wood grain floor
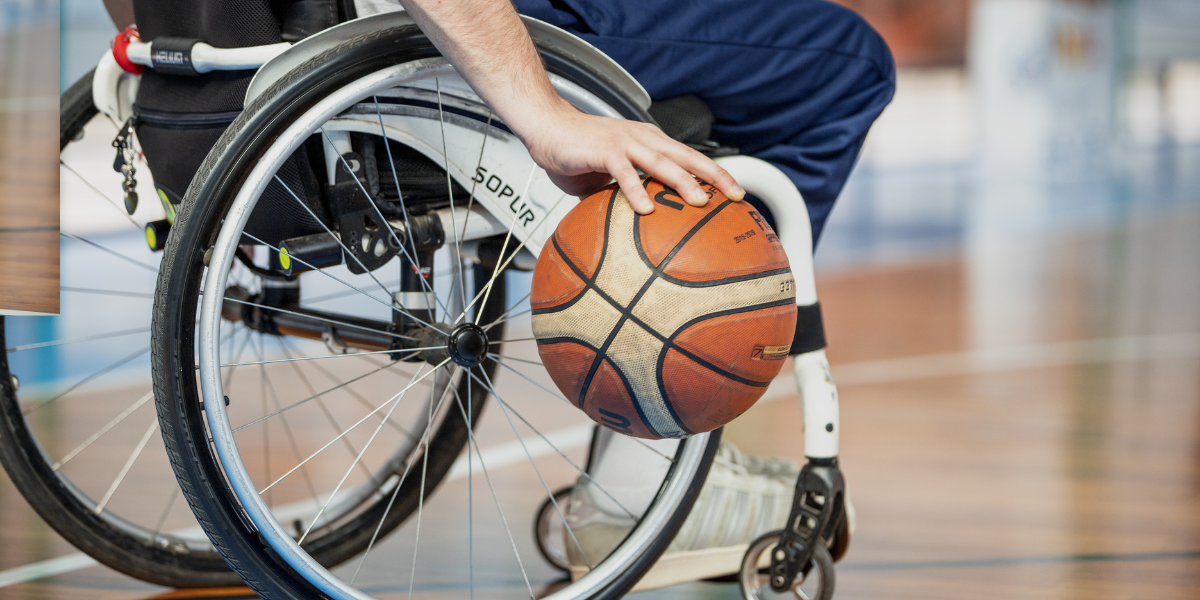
column 1021, row 422
column 28, row 169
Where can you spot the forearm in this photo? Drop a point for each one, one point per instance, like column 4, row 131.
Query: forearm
column 489, row 45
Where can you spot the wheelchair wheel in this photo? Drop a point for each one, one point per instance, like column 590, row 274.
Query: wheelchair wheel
column 814, row 583
column 370, row 116
column 78, row 435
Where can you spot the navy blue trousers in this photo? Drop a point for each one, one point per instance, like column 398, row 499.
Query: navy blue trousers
column 794, row 82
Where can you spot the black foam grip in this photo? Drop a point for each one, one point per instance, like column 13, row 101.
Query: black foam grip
column 810, row 329
column 173, row 56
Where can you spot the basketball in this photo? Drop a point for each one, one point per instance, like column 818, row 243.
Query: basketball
column 668, row 324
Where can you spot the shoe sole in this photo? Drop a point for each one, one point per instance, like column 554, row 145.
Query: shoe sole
column 681, row 567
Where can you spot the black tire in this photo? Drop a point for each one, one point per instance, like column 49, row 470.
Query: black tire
column 111, row 540
column 178, row 399
column 75, row 109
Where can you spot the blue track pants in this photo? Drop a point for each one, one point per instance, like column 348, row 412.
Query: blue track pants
column 793, row 82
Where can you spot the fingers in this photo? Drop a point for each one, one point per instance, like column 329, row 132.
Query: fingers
column 707, row 170
column 631, row 185
column 667, row 171
column 694, row 163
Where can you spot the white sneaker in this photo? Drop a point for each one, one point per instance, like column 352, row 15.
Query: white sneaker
column 743, row 497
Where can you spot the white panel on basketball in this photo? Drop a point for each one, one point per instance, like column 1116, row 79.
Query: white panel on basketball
column 589, row 320
column 667, row 306
column 635, row 352
column 622, row 272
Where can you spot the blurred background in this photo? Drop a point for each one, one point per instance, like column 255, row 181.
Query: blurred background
column 1011, row 283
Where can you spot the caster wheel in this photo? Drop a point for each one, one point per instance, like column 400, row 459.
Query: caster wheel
column 841, row 540
column 816, row 584
column 549, row 532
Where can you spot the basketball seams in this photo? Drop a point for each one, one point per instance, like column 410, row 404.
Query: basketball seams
column 634, row 351
column 574, row 269
column 726, row 280
column 590, row 309
column 669, row 343
column 637, row 406
column 564, row 339
column 662, row 387
column 604, row 245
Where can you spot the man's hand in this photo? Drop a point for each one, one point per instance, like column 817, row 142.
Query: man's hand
column 583, row 153
column 488, row 44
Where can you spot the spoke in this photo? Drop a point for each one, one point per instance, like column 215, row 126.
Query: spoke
column 549, row 493
column 357, row 460
column 93, row 376
column 557, row 395
column 412, row 578
column 329, row 417
column 528, row 339
column 403, row 209
column 487, row 290
column 564, row 456
column 390, row 305
column 287, row 429
column 457, row 267
column 523, row 360
column 303, row 358
column 103, row 430
column 423, row 446
column 125, row 469
column 162, row 519
column 472, row 442
column 266, row 428
column 501, row 266
column 383, row 219
column 112, row 252
column 331, row 234
column 120, row 208
column 228, row 382
column 86, row 338
column 106, row 292
column 322, row 319
column 505, row 316
column 487, row 130
column 352, row 427
column 357, row 396
column 470, row 487
column 313, row 397
column 336, row 295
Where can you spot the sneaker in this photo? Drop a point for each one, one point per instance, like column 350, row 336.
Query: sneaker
column 743, row 497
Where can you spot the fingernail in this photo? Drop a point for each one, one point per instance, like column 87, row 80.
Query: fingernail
column 699, row 197
column 738, row 193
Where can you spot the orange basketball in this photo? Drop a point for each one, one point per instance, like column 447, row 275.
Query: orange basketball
column 664, row 325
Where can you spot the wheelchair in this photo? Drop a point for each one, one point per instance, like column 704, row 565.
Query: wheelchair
column 338, row 276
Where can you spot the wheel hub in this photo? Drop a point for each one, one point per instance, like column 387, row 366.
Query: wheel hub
column 468, row 345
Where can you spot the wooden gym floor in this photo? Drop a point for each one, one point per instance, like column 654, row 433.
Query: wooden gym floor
column 1019, row 422
column 28, row 170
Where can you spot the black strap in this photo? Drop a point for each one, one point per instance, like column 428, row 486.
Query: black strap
column 173, row 56
column 810, row 329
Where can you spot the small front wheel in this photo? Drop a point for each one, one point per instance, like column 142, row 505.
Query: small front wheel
column 549, row 532
column 815, row 583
